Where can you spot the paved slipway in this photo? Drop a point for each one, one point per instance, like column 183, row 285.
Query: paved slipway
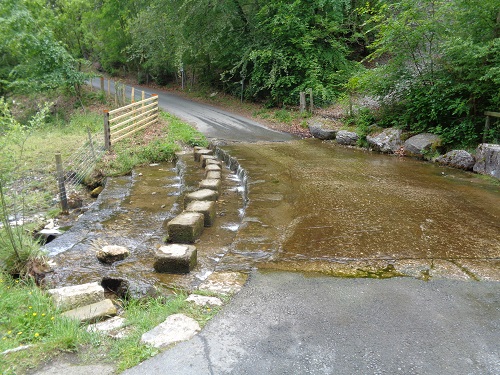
column 297, row 323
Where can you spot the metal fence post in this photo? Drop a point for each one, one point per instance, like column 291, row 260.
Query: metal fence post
column 107, row 132
column 60, row 179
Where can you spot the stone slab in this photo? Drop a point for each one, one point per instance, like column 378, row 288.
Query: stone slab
column 185, row 228
column 199, row 153
column 212, row 167
column 108, row 325
column 205, row 158
column 204, row 300
column 488, row 160
column 207, row 208
column 213, row 161
column 212, row 184
column 175, row 328
column 224, row 282
column 69, row 297
column 214, row 175
column 201, row 195
column 92, row 313
column 175, row 258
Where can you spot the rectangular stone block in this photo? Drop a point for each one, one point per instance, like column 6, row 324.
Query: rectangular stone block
column 214, row 175
column 70, row 297
column 92, row 313
column 212, row 167
column 175, row 258
column 186, row 227
column 201, row 195
column 207, row 208
column 204, row 151
column 211, row 184
column 205, row 158
column 213, row 161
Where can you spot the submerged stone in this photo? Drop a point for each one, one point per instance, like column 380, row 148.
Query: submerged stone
column 175, row 258
column 186, row 227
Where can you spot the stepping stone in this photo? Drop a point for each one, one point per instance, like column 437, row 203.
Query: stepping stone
column 212, row 184
column 214, row 161
column 108, row 325
column 198, row 148
column 214, row 175
column 201, row 195
column 205, row 158
column 111, row 253
column 213, row 167
column 70, row 297
column 207, row 208
column 199, row 153
column 186, row 227
column 175, row 328
column 175, row 258
column 92, row 313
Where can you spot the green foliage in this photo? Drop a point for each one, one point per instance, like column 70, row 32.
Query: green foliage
column 439, row 76
column 32, row 59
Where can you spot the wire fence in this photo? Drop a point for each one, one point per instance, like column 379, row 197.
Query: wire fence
column 79, row 165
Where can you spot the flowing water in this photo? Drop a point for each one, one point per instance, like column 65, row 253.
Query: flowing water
column 304, row 205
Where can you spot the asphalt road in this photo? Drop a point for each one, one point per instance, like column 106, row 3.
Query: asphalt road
column 211, row 121
column 289, row 323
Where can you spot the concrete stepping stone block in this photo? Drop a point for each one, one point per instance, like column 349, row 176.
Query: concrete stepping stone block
column 207, row 208
column 213, row 167
column 186, row 227
column 111, row 253
column 92, row 313
column 212, row 184
column 214, row 175
column 175, row 328
column 199, row 153
column 70, row 297
column 175, row 258
column 201, row 195
column 213, row 161
column 204, row 158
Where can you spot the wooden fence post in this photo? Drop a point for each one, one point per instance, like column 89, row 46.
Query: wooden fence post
column 302, row 101
column 107, row 133
column 116, row 93
column 109, row 88
column 486, row 128
column 311, row 102
column 124, row 88
column 102, row 85
column 132, row 95
column 60, row 180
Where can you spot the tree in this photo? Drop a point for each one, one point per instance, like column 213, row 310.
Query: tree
column 439, row 66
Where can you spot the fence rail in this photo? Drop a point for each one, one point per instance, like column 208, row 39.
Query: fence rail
column 125, row 121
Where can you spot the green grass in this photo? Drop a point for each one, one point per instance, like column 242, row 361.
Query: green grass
column 28, row 317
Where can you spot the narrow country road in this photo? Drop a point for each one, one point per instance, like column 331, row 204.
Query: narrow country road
column 211, row 121
column 308, row 323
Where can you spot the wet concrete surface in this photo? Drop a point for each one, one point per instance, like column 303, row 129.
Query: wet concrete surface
column 315, row 206
column 291, row 323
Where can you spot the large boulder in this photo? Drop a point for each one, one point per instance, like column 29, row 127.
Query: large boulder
column 389, row 141
column 347, row 138
column 457, row 159
column 318, row 130
column 488, row 160
column 420, row 144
